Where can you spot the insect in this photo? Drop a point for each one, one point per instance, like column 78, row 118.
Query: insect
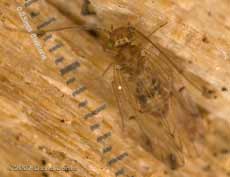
column 143, row 83
column 149, row 90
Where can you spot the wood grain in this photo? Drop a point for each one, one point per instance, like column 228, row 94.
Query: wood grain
column 42, row 123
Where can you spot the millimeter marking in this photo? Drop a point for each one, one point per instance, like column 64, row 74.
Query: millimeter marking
column 46, row 38
column 83, row 104
column 103, row 137
column 107, row 149
column 46, row 23
column 79, row 90
column 94, row 127
column 71, row 80
column 34, row 14
column 120, row 172
column 95, row 112
column 59, row 60
column 57, row 46
column 69, row 68
column 118, row 158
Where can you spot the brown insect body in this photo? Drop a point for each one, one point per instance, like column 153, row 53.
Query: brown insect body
column 150, row 92
column 131, row 60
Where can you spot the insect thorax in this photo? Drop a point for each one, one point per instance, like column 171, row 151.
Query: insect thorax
column 121, row 36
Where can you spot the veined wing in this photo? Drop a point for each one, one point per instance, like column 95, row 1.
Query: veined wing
column 124, row 100
column 165, row 58
column 160, row 138
column 183, row 113
column 127, row 106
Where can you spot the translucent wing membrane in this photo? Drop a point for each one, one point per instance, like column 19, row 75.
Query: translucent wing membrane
column 183, row 112
column 128, row 110
column 159, row 134
column 166, row 58
column 124, row 100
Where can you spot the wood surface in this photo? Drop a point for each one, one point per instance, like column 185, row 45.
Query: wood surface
column 42, row 121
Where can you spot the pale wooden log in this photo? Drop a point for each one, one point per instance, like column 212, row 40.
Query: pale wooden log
column 41, row 120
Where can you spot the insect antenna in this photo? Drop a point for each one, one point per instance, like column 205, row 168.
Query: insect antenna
column 74, row 27
column 33, row 31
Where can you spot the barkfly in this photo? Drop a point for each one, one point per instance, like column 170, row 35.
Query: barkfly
column 149, row 92
column 148, row 88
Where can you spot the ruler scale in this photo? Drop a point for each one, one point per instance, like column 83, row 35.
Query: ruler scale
column 69, row 69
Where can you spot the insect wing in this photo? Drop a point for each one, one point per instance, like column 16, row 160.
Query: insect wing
column 128, row 109
column 155, row 135
column 168, row 59
column 183, row 114
column 122, row 97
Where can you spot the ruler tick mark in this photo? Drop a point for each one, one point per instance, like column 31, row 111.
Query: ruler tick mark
column 83, row 104
column 71, row 80
column 103, row 137
column 69, row 68
column 57, row 46
column 107, row 149
column 34, row 14
column 59, row 60
column 46, row 38
column 118, row 158
column 95, row 126
column 46, row 23
column 120, row 172
column 78, row 90
column 95, row 112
